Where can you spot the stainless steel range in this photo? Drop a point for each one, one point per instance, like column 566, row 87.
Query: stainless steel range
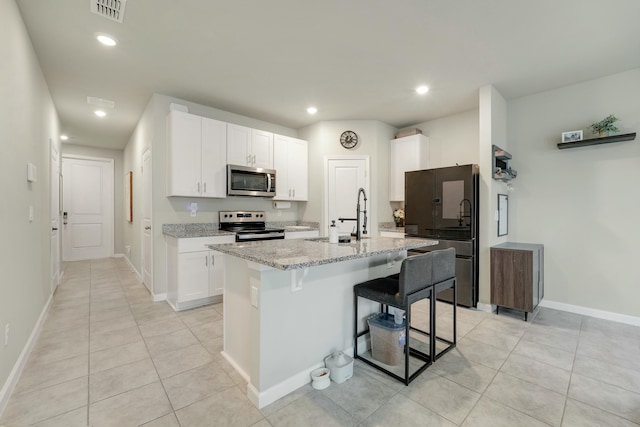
column 248, row 226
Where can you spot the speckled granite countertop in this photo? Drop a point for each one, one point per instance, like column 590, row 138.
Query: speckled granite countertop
column 194, row 230
column 302, row 253
column 211, row 229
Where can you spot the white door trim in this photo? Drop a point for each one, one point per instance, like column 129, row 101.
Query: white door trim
column 149, row 285
column 111, row 195
column 55, row 264
column 325, row 212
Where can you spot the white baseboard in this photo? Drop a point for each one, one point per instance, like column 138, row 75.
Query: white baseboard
column 485, row 307
column 133, row 269
column 586, row 311
column 12, row 380
column 294, row 382
column 270, row 395
column 160, row 297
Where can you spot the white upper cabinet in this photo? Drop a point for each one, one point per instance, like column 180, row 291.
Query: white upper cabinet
column 214, row 158
column 249, row 147
column 196, row 156
column 406, row 154
column 291, row 162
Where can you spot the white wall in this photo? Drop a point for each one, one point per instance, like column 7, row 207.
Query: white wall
column 138, row 143
column 324, row 140
column 581, row 203
column 452, row 139
column 118, row 181
column 28, row 120
column 493, row 131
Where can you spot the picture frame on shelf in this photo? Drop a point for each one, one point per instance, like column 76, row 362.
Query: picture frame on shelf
column 572, row 136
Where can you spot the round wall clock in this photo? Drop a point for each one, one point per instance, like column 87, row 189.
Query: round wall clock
column 349, row 139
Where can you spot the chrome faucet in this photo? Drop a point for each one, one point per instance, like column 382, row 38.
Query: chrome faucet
column 358, row 213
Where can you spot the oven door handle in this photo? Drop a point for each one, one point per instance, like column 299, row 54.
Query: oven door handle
column 259, row 236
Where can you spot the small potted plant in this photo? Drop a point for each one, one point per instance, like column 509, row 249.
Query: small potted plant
column 398, row 217
column 606, row 126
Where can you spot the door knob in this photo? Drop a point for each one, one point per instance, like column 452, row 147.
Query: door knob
column 147, row 228
column 54, row 228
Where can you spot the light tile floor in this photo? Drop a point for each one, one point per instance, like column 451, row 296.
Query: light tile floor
column 107, row 355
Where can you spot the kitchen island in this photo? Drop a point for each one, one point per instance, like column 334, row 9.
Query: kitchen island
column 289, row 303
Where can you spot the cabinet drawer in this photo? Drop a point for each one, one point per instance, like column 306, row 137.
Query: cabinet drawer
column 193, row 244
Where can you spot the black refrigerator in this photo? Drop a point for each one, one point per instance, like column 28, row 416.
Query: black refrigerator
column 442, row 204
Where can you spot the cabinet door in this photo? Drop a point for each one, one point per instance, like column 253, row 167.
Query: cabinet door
column 261, row 149
column 298, row 159
column 216, row 273
column 214, row 158
column 184, row 135
column 281, row 165
column 193, row 275
column 512, row 278
column 238, row 143
column 405, row 154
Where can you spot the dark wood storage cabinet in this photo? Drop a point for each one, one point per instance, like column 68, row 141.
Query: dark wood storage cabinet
column 517, row 276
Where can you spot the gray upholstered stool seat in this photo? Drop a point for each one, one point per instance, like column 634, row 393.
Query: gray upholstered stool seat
column 420, row 277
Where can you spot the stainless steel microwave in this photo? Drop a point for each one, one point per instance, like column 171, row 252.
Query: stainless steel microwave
column 248, row 181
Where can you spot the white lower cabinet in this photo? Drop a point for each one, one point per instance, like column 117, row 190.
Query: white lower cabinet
column 195, row 273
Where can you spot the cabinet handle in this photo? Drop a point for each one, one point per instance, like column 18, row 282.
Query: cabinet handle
column 249, row 159
column 198, row 187
column 212, row 260
column 254, row 160
column 289, row 192
column 205, row 188
column 294, row 193
column 206, row 261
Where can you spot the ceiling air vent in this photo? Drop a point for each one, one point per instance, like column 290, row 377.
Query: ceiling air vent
column 110, row 9
column 100, row 102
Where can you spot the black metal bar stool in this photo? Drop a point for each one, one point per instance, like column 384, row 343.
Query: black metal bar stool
column 420, row 277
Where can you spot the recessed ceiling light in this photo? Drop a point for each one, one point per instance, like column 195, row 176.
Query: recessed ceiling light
column 312, row 110
column 99, row 113
column 64, row 137
column 421, row 90
column 106, row 39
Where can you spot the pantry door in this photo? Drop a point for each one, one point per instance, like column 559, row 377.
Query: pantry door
column 345, row 176
column 87, row 217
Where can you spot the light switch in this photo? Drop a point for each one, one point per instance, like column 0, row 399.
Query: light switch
column 194, row 209
column 32, row 172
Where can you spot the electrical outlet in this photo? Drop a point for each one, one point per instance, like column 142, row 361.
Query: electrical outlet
column 6, row 335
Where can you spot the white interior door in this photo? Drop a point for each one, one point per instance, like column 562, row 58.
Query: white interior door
column 55, row 217
column 88, row 208
column 345, row 177
column 147, row 247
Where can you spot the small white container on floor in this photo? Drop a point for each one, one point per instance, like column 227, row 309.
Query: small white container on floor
column 320, row 378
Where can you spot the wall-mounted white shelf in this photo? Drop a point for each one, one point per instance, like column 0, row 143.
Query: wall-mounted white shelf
column 596, row 141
